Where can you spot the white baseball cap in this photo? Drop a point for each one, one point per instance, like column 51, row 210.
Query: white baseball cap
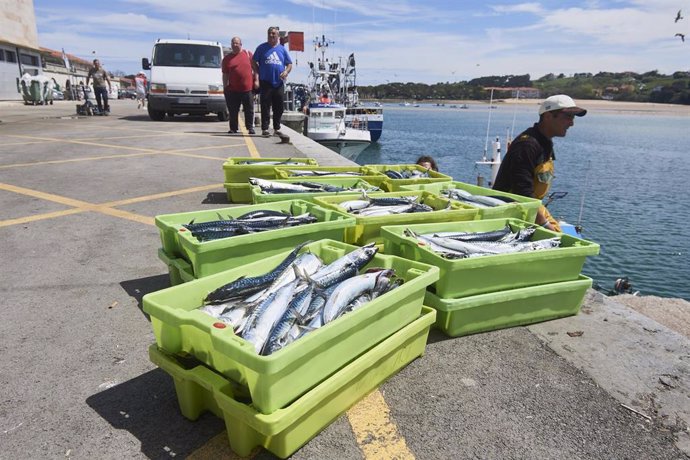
column 561, row 102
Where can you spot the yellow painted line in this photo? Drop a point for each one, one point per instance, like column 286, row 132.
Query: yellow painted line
column 37, row 217
column 46, row 196
column 376, row 434
column 218, row 448
column 10, row 144
column 94, row 144
column 253, row 152
column 208, row 147
column 122, row 137
column 75, row 160
column 125, row 215
column 158, row 196
column 80, row 205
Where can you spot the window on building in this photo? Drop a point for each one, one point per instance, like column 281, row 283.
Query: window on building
column 28, row 59
column 2, row 55
column 10, row 56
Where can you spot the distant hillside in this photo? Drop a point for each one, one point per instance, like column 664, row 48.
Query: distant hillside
column 625, row 86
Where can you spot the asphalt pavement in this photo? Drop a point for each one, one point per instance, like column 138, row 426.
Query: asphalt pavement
column 78, row 197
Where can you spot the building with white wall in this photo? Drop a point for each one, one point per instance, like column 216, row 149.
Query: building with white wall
column 19, row 50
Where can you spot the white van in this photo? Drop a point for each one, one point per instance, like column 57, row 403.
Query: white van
column 186, row 78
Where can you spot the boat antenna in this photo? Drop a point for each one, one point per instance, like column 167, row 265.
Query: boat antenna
column 512, row 128
column 578, row 226
column 488, row 125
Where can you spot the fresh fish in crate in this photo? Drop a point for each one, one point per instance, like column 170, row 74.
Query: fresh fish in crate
column 309, row 172
column 461, row 245
column 246, row 286
column 288, row 161
column 304, row 294
column 406, row 173
column 481, row 201
column 268, row 186
column 252, row 222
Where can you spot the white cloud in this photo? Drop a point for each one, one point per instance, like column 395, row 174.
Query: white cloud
column 534, row 8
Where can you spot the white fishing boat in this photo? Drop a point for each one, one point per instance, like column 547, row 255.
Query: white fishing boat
column 326, row 125
column 344, row 86
column 326, row 120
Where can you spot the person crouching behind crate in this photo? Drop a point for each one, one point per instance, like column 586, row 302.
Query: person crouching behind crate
column 528, row 167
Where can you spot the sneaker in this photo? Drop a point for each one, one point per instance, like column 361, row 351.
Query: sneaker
column 277, row 132
column 232, row 131
column 251, row 131
column 265, row 133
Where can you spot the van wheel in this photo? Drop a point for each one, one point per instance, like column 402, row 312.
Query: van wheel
column 156, row 115
column 223, row 116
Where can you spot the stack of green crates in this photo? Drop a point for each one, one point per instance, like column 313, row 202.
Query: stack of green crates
column 393, row 185
column 282, row 400
column 238, row 170
column 188, row 258
column 367, row 229
column 492, row 292
column 523, row 208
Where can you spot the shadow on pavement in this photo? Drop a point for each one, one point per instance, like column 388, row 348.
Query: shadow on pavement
column 216, row 198
column 146, row 406
column 138, row 288
column 437, row 336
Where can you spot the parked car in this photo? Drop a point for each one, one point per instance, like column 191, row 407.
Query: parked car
column 58, row 95
column 126, row 94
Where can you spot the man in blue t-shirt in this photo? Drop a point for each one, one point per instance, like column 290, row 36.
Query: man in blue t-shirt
column 273, row 64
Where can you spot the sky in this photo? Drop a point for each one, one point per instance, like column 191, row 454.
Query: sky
column 426, row 41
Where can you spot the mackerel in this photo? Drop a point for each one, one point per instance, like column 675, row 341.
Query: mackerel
column 243, row 286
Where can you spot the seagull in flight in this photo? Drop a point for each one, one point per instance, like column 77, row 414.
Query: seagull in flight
column 678, row 16
column 682, row 36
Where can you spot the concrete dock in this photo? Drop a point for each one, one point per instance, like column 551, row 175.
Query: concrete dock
column 78, row 197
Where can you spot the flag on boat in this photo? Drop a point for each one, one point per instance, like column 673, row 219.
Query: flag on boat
column 64, row 58
column 296, row 41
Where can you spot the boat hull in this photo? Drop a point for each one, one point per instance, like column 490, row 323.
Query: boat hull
column 346, row 149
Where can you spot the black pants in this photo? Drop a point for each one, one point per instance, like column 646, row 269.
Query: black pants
column 101, row 94
column 271, row 98
column 233, row 100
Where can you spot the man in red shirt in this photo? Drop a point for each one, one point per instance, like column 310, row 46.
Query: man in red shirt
column 239, row 80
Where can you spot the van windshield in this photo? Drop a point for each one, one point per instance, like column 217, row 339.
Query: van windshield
column 187, row 55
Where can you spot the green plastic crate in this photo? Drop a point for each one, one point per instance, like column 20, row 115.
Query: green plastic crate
column 283, row 432
column 239, row 192
column 180, row 270
column 368, row 229
column 240, row 173
column 276, row 380
column 211, row 257
column 524, row 208
column 393, row 185
column 478, row 275
column 259, row 197
column 514, row 307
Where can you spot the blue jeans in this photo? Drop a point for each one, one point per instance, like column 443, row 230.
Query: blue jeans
column 101, row 94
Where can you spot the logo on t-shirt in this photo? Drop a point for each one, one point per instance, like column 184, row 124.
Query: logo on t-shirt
column 274, row 59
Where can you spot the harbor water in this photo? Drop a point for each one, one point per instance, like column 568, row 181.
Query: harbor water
column 627, row 176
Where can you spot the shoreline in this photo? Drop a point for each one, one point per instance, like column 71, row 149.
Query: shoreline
column 593, row 105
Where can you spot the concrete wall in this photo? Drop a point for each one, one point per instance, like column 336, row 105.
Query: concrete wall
column 18, row 45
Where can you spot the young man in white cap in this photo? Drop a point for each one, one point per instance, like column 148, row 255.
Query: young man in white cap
column 527, row 168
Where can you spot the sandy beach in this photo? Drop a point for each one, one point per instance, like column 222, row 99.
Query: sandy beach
column 598, row 105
